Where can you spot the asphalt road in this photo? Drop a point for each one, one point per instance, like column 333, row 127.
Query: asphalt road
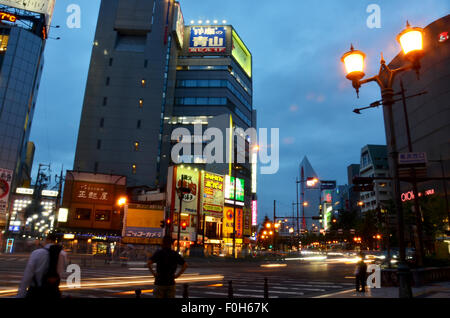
column 295, row 278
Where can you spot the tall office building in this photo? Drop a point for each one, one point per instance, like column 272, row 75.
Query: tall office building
column 150, row 74
column 23, row 32
column 428, row 115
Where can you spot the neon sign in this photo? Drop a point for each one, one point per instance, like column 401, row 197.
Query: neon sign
column 407, row 196
column 8, row 17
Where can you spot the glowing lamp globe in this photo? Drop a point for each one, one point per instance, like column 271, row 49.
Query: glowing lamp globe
column 354, row 64
column 411, row 40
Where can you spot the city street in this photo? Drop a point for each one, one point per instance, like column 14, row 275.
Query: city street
column 286, row 279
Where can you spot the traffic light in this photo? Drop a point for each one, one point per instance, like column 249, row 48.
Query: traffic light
column 183, row 225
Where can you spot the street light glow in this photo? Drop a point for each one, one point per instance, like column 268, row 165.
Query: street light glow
column 354, row 64
column 122, row 201
column 411, row 40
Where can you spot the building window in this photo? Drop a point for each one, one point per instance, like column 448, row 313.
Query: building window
column 145, row 63
column 102, row 122
column 110, row 61
column 141, row 103
column 136, row 146
column 107, row 81
column 133, row 169
column 96, row 167
column 99, row 144
column 105, row 101
column 143, row 82
column 82, row 214
column 102, row 215
column 138, row 124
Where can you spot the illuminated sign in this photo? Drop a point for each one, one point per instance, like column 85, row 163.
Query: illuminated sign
column 407, row 196
column 212, row 196
column 5, row 187
column 142, row 222
column 92, row 192
column 62, row 215
column 254, row 213
column 69, row 236
column 8, row 17
column 24, row 191
column 254, row 171
column 9, row 245
column 45, row 7
column 228, row 221
column 443, row 37
column 229, row 188
column 49, row 193
column 178, row 26
column 241, row 54
column 207, row 39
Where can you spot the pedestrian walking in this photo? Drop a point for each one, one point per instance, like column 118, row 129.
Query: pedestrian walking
column 167, row 261
column 43, row 272
column 361, row 274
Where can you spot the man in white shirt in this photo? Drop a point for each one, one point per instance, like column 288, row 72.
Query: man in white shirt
column 38, row 265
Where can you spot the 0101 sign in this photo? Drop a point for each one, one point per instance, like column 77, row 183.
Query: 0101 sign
column 4, row 16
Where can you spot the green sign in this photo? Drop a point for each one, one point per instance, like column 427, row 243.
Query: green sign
column 241, row 54
column 229, row 189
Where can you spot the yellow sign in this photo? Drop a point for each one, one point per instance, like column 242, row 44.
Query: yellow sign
column 228, row 222
column 144, row 218
column 241, row 54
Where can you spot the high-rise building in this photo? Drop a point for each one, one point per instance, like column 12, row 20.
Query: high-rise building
column 374, row 163
column 23, row 33
column 428, row 115
column 151, row 74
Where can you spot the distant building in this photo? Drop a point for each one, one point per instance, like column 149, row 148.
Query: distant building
column 374, row 163
column 353, row 197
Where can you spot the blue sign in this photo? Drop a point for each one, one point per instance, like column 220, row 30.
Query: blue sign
column 14, row 228
column 208, row 39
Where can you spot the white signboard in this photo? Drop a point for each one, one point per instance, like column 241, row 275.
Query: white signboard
column 411, row 158
column 5, row 188
column 40, row 6
column 45, row 7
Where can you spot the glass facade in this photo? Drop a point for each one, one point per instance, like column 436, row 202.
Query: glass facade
column 20, row 70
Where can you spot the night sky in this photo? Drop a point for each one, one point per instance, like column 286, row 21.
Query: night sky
column 298, row 80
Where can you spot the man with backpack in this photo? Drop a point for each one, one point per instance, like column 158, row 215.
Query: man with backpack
column 43, row 271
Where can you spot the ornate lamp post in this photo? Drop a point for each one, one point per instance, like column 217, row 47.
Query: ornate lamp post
column 411, row 40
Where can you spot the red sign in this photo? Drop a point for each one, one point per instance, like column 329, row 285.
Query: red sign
column 443, row 37
column 407, row 196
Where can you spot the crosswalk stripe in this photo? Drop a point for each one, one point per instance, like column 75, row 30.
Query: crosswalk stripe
column 234, row 294
column 272, row 291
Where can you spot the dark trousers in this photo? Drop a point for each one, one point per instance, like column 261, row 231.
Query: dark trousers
column 361, row 283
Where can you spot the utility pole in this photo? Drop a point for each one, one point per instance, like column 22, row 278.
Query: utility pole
column 419, row 240
column 297, row 220
column 234, row 203
column 274, row 221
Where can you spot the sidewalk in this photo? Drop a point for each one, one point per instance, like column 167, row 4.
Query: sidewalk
column 436, row 290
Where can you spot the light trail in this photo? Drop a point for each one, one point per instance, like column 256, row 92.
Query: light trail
column 123, row 281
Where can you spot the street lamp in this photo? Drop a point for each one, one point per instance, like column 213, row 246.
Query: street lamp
column 411, row 40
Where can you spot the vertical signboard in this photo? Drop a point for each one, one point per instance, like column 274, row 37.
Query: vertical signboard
column 247, row 222
column 190, row 181
column 208, row 39
column 5, row 188
column 212, row 198
column 229, row 188
column 228, row 222
column 241, row 54
column 178, row 25
column 254, row 213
